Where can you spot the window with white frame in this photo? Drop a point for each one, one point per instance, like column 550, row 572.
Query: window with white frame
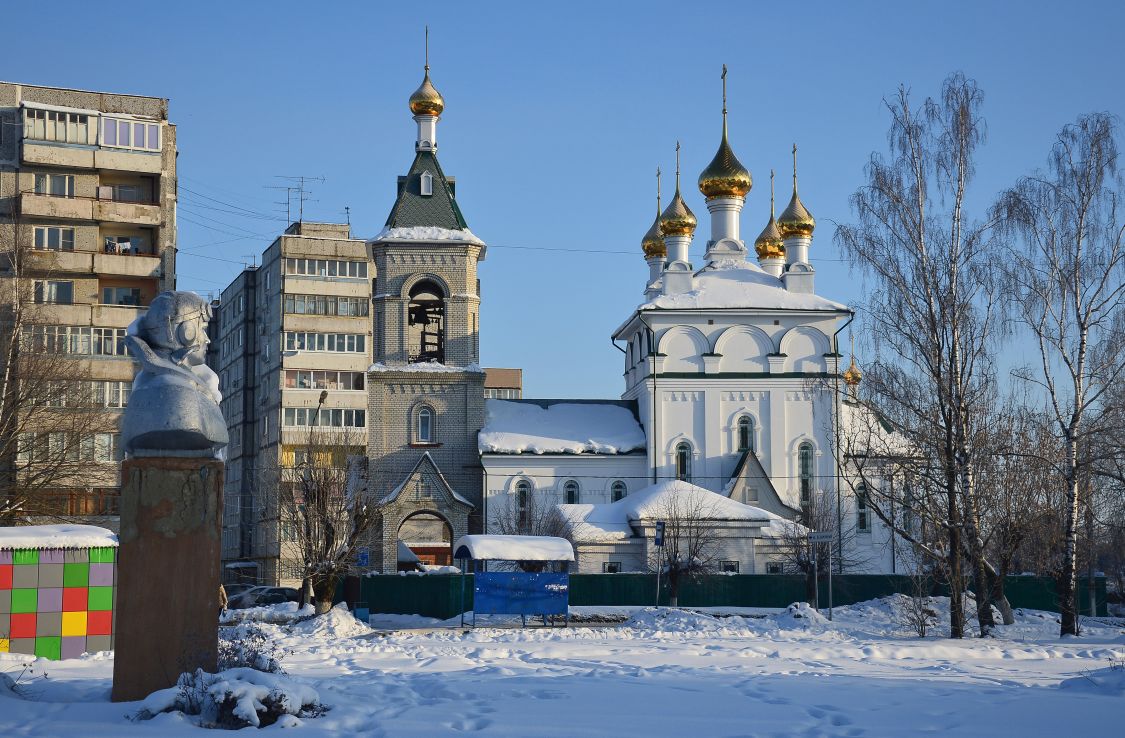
column 355, row 343
column 60, row 126
column 746, row 433
column 862, row 514
column 805, row 471
column 424, row 426
column 426, row 185
column 80, row 340
column 683, row 461
column 347, row 307
column 112, row 394
column 326, row 268
column 327, row 417
column 55, row 185
column 728, row 567
column 571, row 492
column 55, row 292
column 54, row 238
column 618, row 490
column 329, row 380
column 121, row 296
column 611, row 567
column 130, row 134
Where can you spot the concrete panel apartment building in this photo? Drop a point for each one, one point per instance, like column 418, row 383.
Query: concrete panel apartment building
column 87, row 239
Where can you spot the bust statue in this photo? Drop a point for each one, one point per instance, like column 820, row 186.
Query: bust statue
column 174, row 406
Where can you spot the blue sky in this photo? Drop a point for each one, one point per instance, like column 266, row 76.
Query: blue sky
column 556, row 117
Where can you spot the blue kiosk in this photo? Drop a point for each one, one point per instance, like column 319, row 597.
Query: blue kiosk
column 530, row 575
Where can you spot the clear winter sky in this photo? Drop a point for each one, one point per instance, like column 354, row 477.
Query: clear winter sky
column 557, row 115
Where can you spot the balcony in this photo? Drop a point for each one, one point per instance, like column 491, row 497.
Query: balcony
column 128, row 265
column 112, row 208
column 55, row 207
column 128, row 161
column 57, row 155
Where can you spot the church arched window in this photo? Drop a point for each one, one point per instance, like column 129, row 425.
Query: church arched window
column 424, row 426
column 746, row 433
column 805, row 471
column 571, row 491
column 523, row 503
column 683, row 461
column 618, row 491
column 426, row 185
column 426, row 320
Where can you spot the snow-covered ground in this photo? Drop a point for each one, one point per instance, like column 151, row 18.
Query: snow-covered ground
column 658, row 673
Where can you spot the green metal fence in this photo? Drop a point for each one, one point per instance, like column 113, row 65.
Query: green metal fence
column 441, row 596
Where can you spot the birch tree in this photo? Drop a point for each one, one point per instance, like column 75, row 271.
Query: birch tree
column 933, row 309
column 1066, row 281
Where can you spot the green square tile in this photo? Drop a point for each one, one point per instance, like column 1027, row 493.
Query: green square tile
column 25, row 600
column 105, row 555
column 49, row 647
column 76, row 575
column 101, row 598
column 25, row 556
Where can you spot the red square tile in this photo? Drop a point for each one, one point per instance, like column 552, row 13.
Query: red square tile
column 5, row 576
column 99, row 623
column 74, row 599
column 23, row 625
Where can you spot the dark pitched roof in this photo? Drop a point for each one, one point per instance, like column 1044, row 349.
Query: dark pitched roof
column 412, row 208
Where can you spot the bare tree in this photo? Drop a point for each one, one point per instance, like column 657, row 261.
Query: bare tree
column 1067, row 280
column 933, row 311
column 692, row 536
column 796, row 554
column 57, row 431
column 320, row 509
column 531, row 516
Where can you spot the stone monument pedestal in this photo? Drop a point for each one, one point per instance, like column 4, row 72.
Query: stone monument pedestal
column 168, row 572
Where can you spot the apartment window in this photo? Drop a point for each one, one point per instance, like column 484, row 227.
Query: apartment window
column 54, row 238
column 126, row 245
column 424, row 431
column 728, row 567
column 618, row 491
column 123, row 193
column 130, row 134
column 862, row 514
column 121, row 296
column 502, row 393
column 746, row 433
column 805, row 471
column 326, row 268
column 327, row 417
column 56, row 185
column 329, row 380
column 56, row 125
column 112, row 394
column 773, row 567
column 347, row 307
column 611, row 567
column 335, row 342
column 54, row 292
column 571, row 492
column 683, row 461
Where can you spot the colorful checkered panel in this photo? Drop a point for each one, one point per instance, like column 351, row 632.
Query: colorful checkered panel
column 57, row 603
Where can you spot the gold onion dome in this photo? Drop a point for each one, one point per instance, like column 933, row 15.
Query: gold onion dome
column 796, row 220
column 652, row 243
column 725, row 176
column 770, row 244
column 677, row 219
column 852, row 375
column 426, row 100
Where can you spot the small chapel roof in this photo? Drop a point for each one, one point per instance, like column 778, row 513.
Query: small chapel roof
column 737, row 283
column 436, row 210
column 560, row 427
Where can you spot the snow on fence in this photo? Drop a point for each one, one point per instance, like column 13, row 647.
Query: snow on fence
column 57, row 587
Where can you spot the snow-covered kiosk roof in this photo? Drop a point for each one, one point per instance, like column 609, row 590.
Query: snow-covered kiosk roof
column 56, row 536
column 559, row 427
column 513, row 548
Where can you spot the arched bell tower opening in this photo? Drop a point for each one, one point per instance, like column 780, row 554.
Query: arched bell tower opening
column 426, row 321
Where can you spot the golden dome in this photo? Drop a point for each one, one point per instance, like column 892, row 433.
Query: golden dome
column 653, row 243
column 426, row 100
column 677, row 219
column 725, row 176
column 796, row 220
column 769, row 243
column 852, row 375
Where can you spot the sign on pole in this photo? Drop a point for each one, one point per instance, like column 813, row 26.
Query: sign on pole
column 659, row 533
column 363, row 557
column 658, row 540
column 823, row 537
column 820, row 537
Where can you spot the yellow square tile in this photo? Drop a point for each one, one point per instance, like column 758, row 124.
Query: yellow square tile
column 74, row 623
column 3, row 645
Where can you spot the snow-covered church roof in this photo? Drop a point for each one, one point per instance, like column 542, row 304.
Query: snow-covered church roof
column 737, row 283
column 559, row 427
column 608, row 522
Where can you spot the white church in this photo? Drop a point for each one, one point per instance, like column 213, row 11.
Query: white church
column 732, row 385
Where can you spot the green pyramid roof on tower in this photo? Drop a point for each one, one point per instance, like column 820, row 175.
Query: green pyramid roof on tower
column 412, row 208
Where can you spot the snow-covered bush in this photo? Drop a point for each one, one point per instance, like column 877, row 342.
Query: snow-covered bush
column 248, row 645
column 235, row 698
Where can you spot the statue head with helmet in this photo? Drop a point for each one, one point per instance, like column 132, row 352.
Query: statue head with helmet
column 176, row 325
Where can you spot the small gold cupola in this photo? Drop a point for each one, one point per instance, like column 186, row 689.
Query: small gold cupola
column 796, row 220
column 677, row 219
column 770, row 244
column 652, row 243
column 725, row 176
column 852, row 375
column 426, row 100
